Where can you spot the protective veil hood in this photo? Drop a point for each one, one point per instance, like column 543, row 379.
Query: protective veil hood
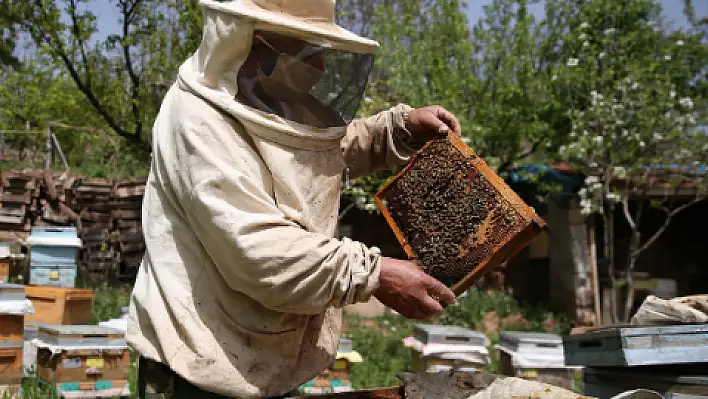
column 212, row 74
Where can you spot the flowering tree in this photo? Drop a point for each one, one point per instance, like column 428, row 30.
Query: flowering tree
column 637, row 100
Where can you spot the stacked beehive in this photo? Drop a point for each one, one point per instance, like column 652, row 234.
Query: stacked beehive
column 336, row 377
column 83, row 361
column 13, row 307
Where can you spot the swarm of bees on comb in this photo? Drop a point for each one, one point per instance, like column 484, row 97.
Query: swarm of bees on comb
column 454, row 216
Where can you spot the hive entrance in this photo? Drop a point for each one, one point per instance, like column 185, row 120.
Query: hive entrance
column 451, row 212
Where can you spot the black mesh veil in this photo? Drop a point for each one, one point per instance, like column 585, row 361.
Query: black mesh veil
column 303, row 82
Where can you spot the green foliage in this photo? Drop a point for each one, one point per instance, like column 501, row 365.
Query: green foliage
column 107, row 301
column 380, row 343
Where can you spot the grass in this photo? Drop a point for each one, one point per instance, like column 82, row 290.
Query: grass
column 378, row 340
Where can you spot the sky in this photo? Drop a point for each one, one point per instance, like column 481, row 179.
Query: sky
column 673, row 12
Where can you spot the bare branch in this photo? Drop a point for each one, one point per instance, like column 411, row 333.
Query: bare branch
column 77, row 33
column 627, row 214
column 128, row 13
column 669, row 216
column 55, row 43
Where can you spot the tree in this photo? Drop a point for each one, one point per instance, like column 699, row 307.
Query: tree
column 123, row 77
column 37, row 96
column 7, row 35
column 635, row 91
column 495, row 77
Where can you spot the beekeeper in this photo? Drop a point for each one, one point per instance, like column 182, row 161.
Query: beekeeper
column 240, row 289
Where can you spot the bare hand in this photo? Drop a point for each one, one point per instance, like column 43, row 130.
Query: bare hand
column 408, row 290
column 430, row 122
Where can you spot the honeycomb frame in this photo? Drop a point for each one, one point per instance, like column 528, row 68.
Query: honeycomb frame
column 521, row 221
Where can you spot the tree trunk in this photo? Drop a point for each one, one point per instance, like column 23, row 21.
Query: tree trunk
column 609, row 235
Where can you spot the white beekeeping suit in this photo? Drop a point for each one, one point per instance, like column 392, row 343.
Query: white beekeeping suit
column 240, row 287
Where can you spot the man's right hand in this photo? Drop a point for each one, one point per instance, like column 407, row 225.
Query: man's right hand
column 408, row 290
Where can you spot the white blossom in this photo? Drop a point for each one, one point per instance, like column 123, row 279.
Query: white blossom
column 625, row 133
column 583, row 36
column 572, row 62
column 598, row 140
column 601, row 55
column 554, row 78
column 367, row 99
column 686, row 102
column 667, row 57
column 614, row 197
column 586, row 44
column 658, row 136
column 584, row 25
column 679, row 43
column 672, row 94
column 620, row 171
column 641, row 144
column 635, row 86
column 585, row 207
column 369, row 207
column 591, row 180
column 610, row 31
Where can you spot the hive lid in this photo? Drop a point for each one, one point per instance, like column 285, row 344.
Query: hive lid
column 454, row 216
column 79, row 336
column 12, row 292
column 73, row 242
column 56, row 329
column 530, row 338
column 451, row 335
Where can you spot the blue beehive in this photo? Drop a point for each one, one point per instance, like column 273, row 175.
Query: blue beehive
column 53, row 256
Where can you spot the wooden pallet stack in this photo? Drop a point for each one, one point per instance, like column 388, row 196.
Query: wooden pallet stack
column 92, row 201
column 106, row 213
column 18, row 203
column 56, row 192
column 128, row 233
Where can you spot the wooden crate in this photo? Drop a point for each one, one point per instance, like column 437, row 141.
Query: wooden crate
column 85, row 366
column 454, row 217
column 59, row 305
column 94, row 357
column 11, row 371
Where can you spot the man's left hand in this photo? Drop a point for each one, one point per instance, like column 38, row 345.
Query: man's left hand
column 430, row 122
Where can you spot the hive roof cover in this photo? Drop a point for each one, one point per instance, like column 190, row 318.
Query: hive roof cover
column 455, row 218
column 530, row 337
column 77, row 330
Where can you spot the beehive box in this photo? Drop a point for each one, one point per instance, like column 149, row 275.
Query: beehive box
column 638, row 346
column 12, row 297
column 535, row 356
column 456, row 218
column 448, row 335
column 11, row 371
column 59, row 305
column 89, row 358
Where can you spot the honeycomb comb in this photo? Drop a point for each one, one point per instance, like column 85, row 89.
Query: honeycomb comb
column 455, row 218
